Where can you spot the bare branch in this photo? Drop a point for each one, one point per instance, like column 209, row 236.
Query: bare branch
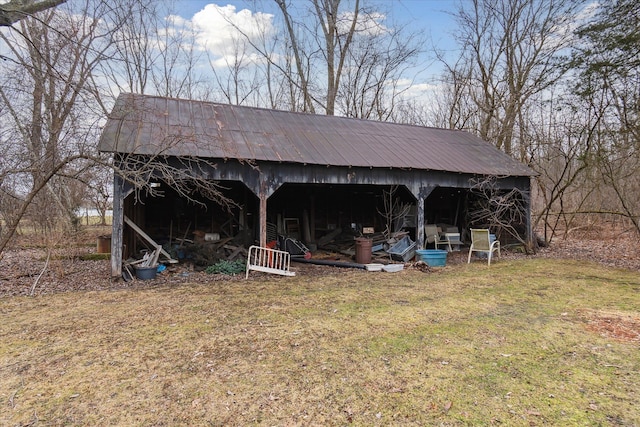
column 188, row 176
column 504, row 211
column 15, row 10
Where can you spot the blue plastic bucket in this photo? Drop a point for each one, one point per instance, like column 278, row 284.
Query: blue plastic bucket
column 492, row 238
column 146, row 273
column 433, row 257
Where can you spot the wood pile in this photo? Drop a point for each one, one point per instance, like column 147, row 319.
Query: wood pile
column 204, row 253
column 343, row 242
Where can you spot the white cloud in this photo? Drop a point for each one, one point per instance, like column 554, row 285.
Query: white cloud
column 564, row 32
column 178, row 21
column 368, row 23
column 420, row 92
column 223, row 31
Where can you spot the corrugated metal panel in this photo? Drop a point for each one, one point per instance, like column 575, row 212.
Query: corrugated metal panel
column 149, row 125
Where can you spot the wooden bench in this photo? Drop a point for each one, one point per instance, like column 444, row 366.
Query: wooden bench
column 268, row 261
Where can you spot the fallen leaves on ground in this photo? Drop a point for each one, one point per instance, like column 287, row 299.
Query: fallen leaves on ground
column 21, row 265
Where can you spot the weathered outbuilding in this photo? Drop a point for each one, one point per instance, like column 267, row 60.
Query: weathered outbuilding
column 325, row 171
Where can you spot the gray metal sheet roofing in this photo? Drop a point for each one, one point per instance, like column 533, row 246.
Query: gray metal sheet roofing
column 142, row 124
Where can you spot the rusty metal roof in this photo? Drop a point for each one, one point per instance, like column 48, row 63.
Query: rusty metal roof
column 142, row 124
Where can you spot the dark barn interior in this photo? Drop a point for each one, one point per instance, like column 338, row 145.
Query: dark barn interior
column 305, row 212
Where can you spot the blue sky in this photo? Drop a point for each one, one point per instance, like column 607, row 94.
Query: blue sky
column 427, row 16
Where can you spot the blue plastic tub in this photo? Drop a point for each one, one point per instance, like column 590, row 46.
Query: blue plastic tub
column 146, row 273
column 492, row 238
column 404, row 250
column 433, row 257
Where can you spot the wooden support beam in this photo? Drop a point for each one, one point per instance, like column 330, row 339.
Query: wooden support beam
column 421, row 196
column 148, row 239
column 116, row 227
column 312, row 218
column 420, row 223
column 263, row 220
column 121, row 190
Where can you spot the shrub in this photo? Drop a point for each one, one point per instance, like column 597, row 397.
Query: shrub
column 227, row 267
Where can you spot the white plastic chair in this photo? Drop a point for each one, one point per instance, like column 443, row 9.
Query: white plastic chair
column 432, row 232
column 481, row 242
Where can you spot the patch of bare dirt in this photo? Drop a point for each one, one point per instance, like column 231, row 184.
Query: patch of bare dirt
column 618, row 326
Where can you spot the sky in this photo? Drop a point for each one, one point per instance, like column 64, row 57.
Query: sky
column 213, row 31
column 432, row 18
column 428, row 16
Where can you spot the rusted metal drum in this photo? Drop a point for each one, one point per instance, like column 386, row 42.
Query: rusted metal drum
column 363, row 250
column 104, row 244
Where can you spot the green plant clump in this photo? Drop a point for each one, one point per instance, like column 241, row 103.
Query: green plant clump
column 95, row 256
column 230, row 268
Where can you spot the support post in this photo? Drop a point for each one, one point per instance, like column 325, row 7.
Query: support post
column 312, row 218
column 263, row 215
column 420, row 223
column 120, row 191
column 421, row 195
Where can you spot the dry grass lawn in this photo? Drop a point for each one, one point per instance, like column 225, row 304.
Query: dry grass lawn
column 525, row 342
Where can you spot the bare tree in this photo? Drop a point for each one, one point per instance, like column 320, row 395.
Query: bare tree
column 177, row 74
column 509, row 52
column 374, row 66
column 239, row 81
column 585, row 145
column 347, row 44
column 99, row 184
column 504, row 211
column 52, row 101
column 560, row 150
column 394, row 212
column 302, row 78
column 608, row 62
column 48, row 98
column 449, row 105
column 15, row 10
column 328, row 40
